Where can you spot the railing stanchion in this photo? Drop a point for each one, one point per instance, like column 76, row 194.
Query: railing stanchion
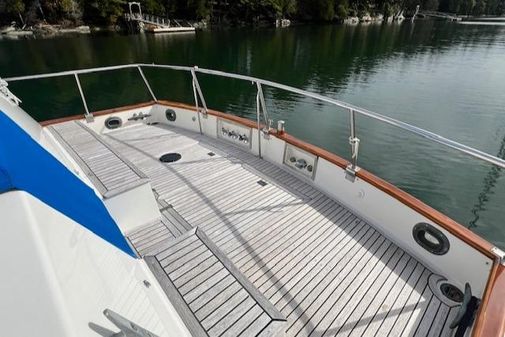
column 261, row 109
column 198, row 89
column 87, row 114
column 195, row 95
column 263, row 105
column 352, row 168
column 147, row 83
column 258, row 102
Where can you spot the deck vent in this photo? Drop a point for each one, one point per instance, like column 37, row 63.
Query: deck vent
column 451, row 292
column 170, row 157
column 262, row 183
column 170, row 115
column 430, row 238
column 113, row 122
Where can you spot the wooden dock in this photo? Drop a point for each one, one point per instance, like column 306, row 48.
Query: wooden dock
column 154, row 23
column 440, row 15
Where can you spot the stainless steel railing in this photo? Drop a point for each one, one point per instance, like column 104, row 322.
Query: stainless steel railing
column 261, row 106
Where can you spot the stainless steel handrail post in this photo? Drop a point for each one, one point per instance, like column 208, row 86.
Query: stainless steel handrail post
column 258, row 102
column 195, row 95
column 198, row 89
column 87, row 114
column 261, row 110
column 263, row 105
column 352, row 168
column 147, row 83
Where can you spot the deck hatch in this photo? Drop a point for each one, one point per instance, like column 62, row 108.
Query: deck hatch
column 170, row 157
column 262, row 183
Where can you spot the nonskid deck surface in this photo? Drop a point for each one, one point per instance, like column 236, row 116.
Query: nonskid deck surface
column 209, row 292
column 326, row 270
column 110, row 173
column 146, row 239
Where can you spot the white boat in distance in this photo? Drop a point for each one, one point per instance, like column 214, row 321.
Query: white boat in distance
column 169, row 219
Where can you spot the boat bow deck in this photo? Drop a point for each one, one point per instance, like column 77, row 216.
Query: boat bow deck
column 324, row 268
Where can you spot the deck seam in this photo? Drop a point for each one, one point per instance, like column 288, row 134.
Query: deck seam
column 246, row 284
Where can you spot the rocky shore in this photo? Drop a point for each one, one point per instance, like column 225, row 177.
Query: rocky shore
column 47, row 30
column 13, row 31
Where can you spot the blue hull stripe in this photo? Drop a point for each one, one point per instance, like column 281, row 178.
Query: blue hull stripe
column 26, row 166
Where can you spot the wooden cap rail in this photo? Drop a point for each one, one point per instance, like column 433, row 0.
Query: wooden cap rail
column 490, row 320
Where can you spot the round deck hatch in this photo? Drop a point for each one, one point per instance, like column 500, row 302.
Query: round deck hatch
column 170, row 157
column 430, row 238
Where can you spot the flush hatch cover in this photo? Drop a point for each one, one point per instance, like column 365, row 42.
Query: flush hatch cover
column 262, row 183
column 170, row 157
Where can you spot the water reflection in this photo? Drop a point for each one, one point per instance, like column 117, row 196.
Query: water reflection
column 442, row 76
column 489, row 184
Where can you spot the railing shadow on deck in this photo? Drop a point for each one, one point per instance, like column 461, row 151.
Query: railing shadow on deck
column 270, row 279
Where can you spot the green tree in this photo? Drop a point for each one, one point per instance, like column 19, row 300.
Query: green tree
column 153, row 6
column 15, row 7
column 55, row 10
column 233, row 11
column 466, row 7
column 326, row 9
column 283, row 8
column 343, row 9
column 479, row 8
column 431, row 5
column 108, row 11
column 200, row 8
column 495, row 7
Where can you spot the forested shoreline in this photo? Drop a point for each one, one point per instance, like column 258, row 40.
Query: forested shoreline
column 229, row 12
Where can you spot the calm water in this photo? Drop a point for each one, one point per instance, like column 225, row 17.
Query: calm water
column 445, row 77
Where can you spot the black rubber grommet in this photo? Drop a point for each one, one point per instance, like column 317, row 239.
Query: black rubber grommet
column 113, row 122
column 170, row 115
column 430, row 238
column 451, row 292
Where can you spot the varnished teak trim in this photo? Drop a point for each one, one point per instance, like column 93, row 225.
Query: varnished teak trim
column 420, row 207
column 97, row 113
column 490, row 321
